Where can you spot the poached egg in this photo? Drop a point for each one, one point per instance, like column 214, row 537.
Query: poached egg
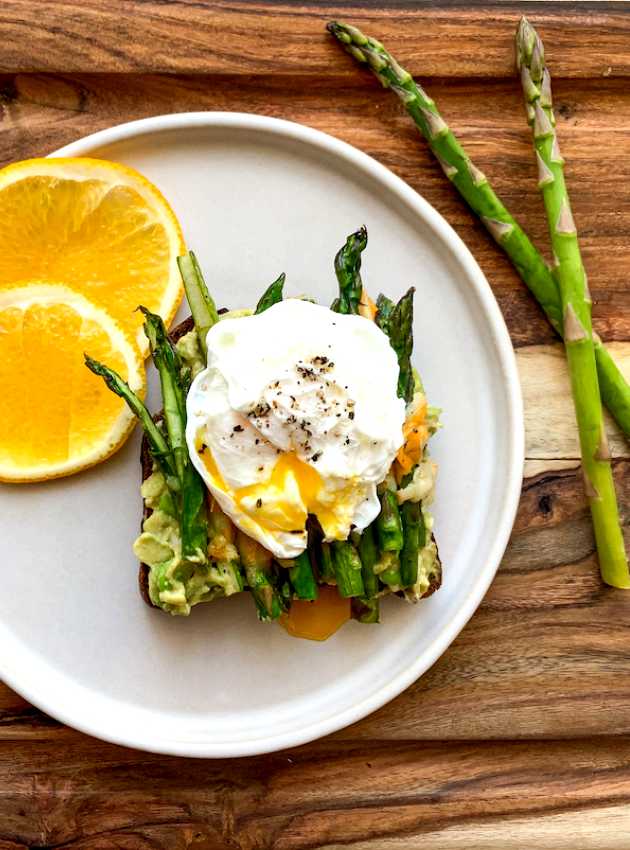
column 296, row 414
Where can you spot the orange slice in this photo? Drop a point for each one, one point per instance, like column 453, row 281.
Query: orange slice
column 99, row 226
column 56, row 417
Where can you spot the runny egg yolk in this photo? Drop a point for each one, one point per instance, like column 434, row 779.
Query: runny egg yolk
column 285, row 499
column 296, row 415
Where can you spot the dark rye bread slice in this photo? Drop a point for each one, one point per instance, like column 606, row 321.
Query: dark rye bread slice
column 147, row 467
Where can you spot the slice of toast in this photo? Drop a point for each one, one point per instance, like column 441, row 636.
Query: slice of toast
column 147, row 468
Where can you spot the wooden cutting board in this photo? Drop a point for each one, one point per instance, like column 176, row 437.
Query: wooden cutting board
column 520, row 735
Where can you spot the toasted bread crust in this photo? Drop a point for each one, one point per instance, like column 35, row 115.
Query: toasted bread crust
column 146, row 463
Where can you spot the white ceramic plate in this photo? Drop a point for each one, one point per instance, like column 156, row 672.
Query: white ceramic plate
column 257, row 196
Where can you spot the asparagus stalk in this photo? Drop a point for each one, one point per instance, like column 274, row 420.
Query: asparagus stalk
column 347, row 565
column 202, row 306
column 384, row 310
column 168, row 364
column 413, row 534
column 476, row 190
column 388, row 524
column 368, row 553
column 388, row 569
column 160, row 450
column 326, row 568
column 272, row 295
column 348, row 271
column 193, row 514
column 365, row 610
column 301, row 576
column 576, row 309
column 400, row 332
column 257, row 564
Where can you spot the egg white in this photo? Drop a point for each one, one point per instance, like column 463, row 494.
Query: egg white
column 296, row 413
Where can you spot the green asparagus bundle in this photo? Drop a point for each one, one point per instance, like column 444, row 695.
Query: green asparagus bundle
column 575, row 302
column 210, row 557
column 476, row 190
column 562, row 292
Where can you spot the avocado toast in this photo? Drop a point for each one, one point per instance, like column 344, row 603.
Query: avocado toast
column 395, row 554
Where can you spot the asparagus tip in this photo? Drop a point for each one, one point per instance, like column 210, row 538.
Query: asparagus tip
column 530, row 51
column 360, row 236
column 108, row 375
column 90, row 362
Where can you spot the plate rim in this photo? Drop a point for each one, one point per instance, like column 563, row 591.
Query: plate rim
column 515, row 440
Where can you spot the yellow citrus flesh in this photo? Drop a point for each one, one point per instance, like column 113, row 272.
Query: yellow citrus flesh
column 57, row 417
column 97, row 225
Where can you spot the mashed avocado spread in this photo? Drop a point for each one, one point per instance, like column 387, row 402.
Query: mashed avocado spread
column 175, row 584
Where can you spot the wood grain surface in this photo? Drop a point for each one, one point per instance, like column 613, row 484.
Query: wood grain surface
column 519, row 736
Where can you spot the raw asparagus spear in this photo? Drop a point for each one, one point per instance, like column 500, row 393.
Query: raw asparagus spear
column 272, row 295
column 576, row 309
column 160, row 450
column 258, row 570
column 347, row 566
column 388, row 524
column 202, row 306
column 476, row 190
column 348, row 271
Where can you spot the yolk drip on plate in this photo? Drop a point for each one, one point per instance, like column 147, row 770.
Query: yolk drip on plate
column 317, row 620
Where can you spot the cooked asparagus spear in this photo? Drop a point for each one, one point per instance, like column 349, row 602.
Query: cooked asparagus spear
column 168, row 364
column 365, row 610
column 413, row 541
column 388, row 569
column 368, row 553
column 326, row 568
column 272, row 295
column 476, row 190
column 301, row 576
column 257, row 563
column 347, row 566
column 384, row 310
column 158, row 445
column 348, row 271
column 388, row 524
column 193, row 512
column 202, row 306
column 400, row 332
column 576, row 309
